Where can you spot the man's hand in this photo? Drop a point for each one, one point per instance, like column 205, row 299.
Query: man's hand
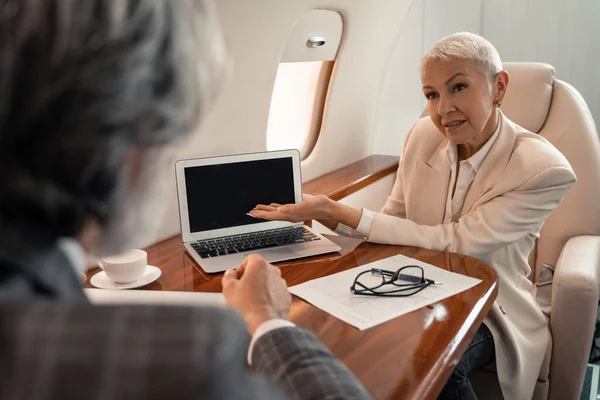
column 256, row 290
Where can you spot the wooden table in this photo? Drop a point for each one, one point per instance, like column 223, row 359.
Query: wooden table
column 410, row 357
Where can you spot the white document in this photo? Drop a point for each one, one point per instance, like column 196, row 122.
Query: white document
column 102, row 296
column 332, row 293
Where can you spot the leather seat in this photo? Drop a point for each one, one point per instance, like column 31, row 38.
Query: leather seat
column 569, row 242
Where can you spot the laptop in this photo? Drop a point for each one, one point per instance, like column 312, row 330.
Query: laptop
column 216, row 193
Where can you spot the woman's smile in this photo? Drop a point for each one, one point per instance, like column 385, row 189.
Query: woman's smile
column 454, row 125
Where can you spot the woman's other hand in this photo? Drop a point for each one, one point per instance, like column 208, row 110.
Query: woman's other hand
column 312, row 207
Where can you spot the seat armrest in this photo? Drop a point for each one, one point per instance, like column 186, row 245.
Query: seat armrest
column 573, row 314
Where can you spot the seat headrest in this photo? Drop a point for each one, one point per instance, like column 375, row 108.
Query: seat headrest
column 529, row 94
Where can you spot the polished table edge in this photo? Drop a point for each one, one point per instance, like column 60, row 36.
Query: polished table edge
column 440, row 374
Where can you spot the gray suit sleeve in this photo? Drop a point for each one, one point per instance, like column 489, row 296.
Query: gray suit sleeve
column 59, row 350
column 305, row 367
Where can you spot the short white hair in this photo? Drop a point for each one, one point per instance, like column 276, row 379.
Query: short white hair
column 466, row 46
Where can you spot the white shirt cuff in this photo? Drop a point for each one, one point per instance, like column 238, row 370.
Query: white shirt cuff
column 265, row 328
column 364, row 226
column 362, row 230
column 344, row 230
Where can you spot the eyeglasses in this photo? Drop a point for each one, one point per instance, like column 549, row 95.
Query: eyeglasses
column 406, row 281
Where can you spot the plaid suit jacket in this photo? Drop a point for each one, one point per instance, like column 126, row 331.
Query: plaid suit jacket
column 55, row 345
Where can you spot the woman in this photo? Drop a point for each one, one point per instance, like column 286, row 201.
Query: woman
column 473, row 182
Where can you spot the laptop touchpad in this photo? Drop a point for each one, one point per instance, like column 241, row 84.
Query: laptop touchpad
column 278, row 252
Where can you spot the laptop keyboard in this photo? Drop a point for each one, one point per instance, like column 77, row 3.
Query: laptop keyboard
column 253, row 241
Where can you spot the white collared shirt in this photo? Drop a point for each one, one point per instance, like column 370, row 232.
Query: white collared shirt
column 454, row 204
column 466, row 176
column 74, row 253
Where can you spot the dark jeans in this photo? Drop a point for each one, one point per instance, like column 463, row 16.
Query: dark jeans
column 479, row 353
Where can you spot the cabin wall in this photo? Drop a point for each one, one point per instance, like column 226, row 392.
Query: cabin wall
column 565, row 34
column 561, row 33
column 401, row 101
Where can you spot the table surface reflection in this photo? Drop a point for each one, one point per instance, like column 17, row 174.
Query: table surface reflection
column 409, row 357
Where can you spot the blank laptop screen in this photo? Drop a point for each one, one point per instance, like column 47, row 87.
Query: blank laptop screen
column 219, row 196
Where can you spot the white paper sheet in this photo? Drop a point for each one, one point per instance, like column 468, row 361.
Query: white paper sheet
column 102, row 296
column 332, row 293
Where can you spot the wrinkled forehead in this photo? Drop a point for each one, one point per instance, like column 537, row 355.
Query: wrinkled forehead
column 436, row 72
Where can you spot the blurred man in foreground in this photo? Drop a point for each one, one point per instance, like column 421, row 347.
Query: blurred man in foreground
column 92, row 93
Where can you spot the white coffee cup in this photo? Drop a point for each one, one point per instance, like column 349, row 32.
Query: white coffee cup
column 126, row 267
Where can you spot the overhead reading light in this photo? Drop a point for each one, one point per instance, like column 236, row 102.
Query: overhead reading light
column 315, row 41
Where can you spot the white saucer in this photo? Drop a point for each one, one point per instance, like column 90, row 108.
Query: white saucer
column 100, row 280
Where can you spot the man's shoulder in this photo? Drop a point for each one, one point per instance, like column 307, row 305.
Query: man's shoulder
column 86, row 327
column 170, row 349
column 147, row 315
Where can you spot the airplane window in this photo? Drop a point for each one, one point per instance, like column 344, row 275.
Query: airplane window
column 297, row 105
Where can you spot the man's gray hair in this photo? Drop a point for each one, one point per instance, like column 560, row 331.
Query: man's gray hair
column 82, row 83
column 467, row 46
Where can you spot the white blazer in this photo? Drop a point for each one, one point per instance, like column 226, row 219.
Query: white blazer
column 520, row 182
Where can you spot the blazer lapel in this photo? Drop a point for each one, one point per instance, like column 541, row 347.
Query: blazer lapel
column 431, row 188
column 494, row 164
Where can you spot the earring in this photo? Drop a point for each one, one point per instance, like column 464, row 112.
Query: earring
column 498, row 103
